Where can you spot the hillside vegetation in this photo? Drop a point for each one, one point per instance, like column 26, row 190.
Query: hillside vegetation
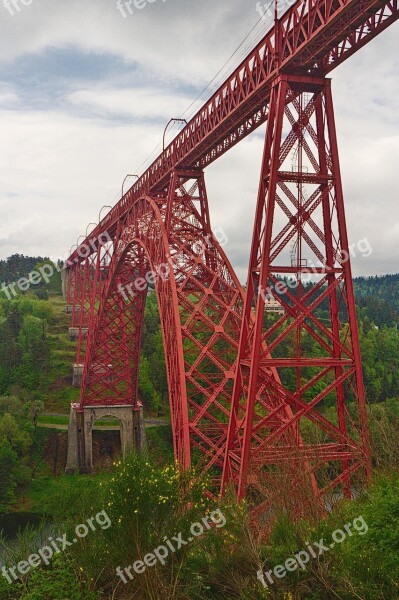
column 147, row 500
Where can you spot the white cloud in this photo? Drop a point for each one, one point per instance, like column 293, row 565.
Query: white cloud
column 68, row 139
column 184, row 39
column 147, row 103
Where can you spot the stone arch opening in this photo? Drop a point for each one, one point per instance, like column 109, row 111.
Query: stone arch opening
column 106, row 441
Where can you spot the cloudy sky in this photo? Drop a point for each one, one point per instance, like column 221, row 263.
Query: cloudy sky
column 85, row 93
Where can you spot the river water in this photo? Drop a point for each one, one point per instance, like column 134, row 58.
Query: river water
column 11, row 523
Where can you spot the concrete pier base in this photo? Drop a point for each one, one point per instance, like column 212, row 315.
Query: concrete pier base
column 80, row 433
column 103, row 371
column 77, row 375
column 140, row 441
column 73, row 333
column 71, row 308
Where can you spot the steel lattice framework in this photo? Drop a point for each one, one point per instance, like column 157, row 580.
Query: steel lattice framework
column 247, row 400
column 300, row 188
column 200, row 301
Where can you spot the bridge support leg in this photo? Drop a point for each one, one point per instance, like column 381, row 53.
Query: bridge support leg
column 300, row 256
column 80, row 433
column 75, row 454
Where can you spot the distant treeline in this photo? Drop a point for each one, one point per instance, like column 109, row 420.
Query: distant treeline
column 16, row 266
column 378, row 298
column 23, row 344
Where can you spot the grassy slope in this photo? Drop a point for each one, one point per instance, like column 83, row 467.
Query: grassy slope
column 60, row 392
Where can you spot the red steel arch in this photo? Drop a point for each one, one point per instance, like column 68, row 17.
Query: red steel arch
column 200, row 302
column 201, row 306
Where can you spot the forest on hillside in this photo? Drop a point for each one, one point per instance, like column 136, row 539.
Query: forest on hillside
column 25, row 349
column 148, row 496
column 16, row 266
column 378, row 298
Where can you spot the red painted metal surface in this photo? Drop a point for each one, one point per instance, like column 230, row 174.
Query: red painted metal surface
column 200, row 301
column 245, row 392
column 300, row 230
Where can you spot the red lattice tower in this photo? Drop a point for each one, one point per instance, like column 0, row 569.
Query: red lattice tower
column 299, row 233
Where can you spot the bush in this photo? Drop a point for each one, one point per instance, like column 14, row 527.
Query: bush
column 371, row 563
column 148, row 505
column 58, row 582
column 145, row 504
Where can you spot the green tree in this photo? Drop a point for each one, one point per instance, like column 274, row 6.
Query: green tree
column 35, row 352
column 9, row 355
column 16, row 434
column 34, row 409
column 8, row 470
